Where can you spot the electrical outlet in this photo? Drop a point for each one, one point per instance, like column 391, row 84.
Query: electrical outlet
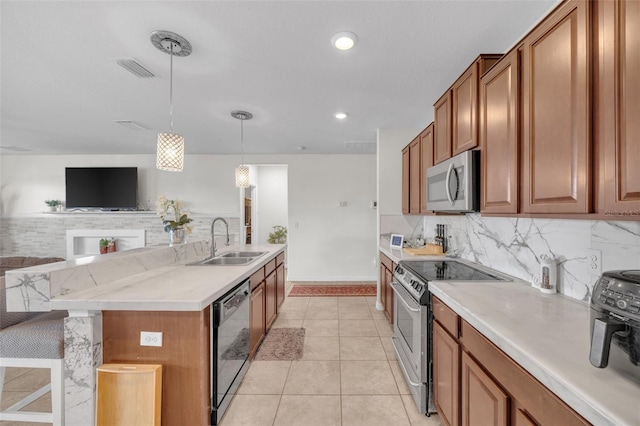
column 594, row 261
column 150, row 338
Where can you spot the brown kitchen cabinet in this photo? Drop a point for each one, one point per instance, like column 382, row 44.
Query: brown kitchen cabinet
column 499, row 128
column 416, row 158
column 476, row 383
column 483, row 402
column 406, row 179
column 442, row 128
column 386, row 291
column 426, row 161
column 279, row 286
column 464, row 105
column 257, row 319
column 446, row 375
column 270, row 309
column 556, row 102
column 456, row 112
column 617, row 106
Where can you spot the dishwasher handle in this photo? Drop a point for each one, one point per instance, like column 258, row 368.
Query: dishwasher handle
column 224, row 308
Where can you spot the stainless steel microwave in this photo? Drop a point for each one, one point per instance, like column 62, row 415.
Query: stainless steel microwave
column 454, row 184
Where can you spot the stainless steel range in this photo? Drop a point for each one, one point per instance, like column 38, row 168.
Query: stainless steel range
column 412, row 317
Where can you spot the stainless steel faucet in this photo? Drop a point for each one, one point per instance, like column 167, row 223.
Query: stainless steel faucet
column 213, row 238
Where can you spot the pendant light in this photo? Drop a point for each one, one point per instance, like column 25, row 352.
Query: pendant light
column 170, row 153
column 242, row 171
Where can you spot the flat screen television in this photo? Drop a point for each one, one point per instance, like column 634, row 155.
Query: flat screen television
column 106, row 188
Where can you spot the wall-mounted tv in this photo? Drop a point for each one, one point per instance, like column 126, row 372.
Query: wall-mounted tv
column 106, row 188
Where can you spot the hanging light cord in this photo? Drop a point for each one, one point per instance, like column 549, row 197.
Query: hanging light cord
column 171, row 89
column 242, row 141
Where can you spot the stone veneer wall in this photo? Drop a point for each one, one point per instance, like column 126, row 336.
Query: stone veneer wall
column 44, row 235
column 514, row 245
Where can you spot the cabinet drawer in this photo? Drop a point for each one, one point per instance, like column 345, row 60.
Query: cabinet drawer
column 386, row 262
column 540, row 403
column 270, row 267
column 257, row 278
column 280, row 259
column 445, row 316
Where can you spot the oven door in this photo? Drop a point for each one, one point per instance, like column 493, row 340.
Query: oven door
column 410, row 343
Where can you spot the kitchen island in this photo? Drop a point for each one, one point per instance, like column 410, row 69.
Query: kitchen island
column 112, row 298
column 548, row 336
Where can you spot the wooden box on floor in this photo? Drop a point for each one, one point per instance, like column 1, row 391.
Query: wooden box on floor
column 129, row 394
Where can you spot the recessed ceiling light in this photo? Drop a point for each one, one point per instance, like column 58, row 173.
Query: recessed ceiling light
column 344, row 40
column 341, row 115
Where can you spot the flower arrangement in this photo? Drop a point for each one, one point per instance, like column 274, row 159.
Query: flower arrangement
column 173, row 215
column 53, row 203
column 278, row 236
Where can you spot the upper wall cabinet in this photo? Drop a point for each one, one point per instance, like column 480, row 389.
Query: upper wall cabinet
column 464, row 104
column 442, row 128
column 499, row 136
column 426, row 161
column 456, row 112
column 416, row 158
column 617, row 106
column 556, row 172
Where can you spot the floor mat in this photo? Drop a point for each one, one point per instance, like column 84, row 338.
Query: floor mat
column 282, row 344
column 333, row 290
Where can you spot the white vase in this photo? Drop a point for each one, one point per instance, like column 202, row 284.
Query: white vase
column 177, row 236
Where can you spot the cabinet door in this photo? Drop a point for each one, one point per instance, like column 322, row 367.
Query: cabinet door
column 256, row 318
column 464, row 100
column 414, row 176
column 442, row 128
column 618, row 105
column 270, row 299
column 446, row 375
column 383, row 286
column 406, row 178
column 556, row 113
column 499, row 136
column 426, row 161
column 482, row 400
column 280, row 284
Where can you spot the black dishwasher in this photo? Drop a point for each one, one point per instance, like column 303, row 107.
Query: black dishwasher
column 229, row 347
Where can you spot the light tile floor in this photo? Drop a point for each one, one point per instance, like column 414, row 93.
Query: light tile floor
column 348, row 374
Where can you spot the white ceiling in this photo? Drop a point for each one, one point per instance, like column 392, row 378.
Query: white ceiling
column 61, row 89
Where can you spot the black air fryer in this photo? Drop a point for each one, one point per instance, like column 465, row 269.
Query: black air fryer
column 615, row 322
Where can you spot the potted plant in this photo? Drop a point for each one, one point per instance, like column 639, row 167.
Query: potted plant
column 174, row 219
column 278, row 236
column 53, row 204
column 104, row 246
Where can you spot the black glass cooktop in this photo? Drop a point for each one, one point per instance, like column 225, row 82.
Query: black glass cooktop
column 443, row 270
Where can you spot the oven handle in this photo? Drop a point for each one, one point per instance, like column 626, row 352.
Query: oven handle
column 396, row 290
column 406, row 375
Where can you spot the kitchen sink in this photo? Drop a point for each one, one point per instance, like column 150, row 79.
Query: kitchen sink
column 243, row 254
column 231, row 258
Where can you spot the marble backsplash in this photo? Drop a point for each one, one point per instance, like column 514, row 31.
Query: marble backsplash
column 514, row 245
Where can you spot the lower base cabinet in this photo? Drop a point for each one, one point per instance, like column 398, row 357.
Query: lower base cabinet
column 267, row 295
column 386, row 291
column 475, row 383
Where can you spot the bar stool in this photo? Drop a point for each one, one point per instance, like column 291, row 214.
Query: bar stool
column 37, row 342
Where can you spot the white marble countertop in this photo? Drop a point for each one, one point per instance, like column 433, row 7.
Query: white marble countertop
column 548, row 335
column 170, row 287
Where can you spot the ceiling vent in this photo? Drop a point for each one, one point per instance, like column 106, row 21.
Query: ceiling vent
column 134, row 67
column 14, row 148
column 360, row 146
column 129, row 124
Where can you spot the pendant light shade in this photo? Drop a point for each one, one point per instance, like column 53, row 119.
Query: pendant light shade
column 170, row 153
column 170, row 149
column 242, row 171
column 242, row 176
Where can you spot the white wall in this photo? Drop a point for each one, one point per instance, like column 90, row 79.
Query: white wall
column 340, row 242
column 272, row 200
column 332, row 243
